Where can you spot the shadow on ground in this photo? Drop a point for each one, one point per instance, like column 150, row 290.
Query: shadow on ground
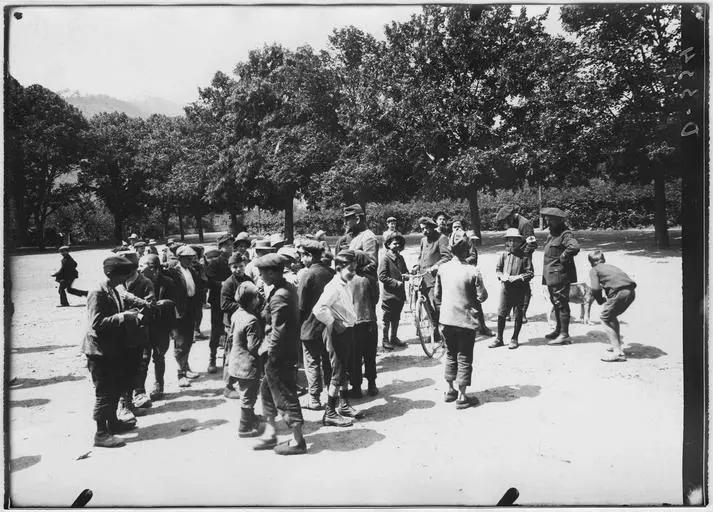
column 32, row 402
column 173, row 429
column 639, row 351
column 590, row 337
column 42, row 348
column 507, row 393
column 24, row 383
column 195, row 392
column 182, row 405
column 345, row 440
column 24, row 462
column 394, row 362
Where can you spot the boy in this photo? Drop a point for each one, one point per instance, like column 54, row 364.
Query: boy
column 365, row 291
column 65, row 276
column 393, row 274
column 245, row 364
column 390, row 229
column 459, row 285
column 472, row 259
column 514, row 271
column 619, row 288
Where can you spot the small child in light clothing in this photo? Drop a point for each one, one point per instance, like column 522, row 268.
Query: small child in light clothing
column 245, row 361
column 514, row 271
column 619, row 288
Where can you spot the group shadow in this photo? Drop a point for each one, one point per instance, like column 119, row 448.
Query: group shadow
column 41, row 348
column 394, row 362
column 506, row 393
column 31, row 402
column 24, row 462
column 343, row 440
column 25, row 383
column 173, row 429
column 180, row 406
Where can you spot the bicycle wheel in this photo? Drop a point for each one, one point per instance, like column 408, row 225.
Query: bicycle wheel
column 424, row 330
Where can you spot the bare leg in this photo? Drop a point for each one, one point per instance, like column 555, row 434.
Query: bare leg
column 612, row 330
column 461, row 392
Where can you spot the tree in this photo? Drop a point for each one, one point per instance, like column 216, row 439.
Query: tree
column 114, row 170
column 632, row 53
column 45, row 142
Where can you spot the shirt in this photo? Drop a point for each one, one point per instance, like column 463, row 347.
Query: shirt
column 610, row 278
column 190, row 285
column 336, row 304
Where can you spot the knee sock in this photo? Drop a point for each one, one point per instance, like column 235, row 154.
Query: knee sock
column 501, row 326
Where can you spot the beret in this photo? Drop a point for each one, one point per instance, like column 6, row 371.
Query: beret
column 354, row 209
column 246, row 290
column 391, row 219
column 114, row 264
column 277, row 240
column 311, row 246
column 270, row 261
column 290, row 252
column 553, row 212
column 242, row 237
column 224, row 238
column 395, row 236
column 186, row 250
column 347, row 254
column 213, row 253
column 512, row 233
column 427, row 221
column 504, row 212
column 140, row 244
column 236, row 258
column 63, row 248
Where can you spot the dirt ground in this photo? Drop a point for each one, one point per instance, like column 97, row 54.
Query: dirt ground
column 555, row 422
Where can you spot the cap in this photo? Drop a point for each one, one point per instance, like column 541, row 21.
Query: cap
column 263, row 246
column 246, row 291
column 152, row 241
column 347, row 254
column 354, row 209
column 471, row 234
column 170, row 242
column 132, row 257
column 504, row 212
column 242, row 237
column 391, row 219
column 277, row 240
column 186, row 250
column 140, row 244
column 270, row 261
column 116, row 264
column 428, row 221
column 223, row 239
column 236, row 258
column 311, row 246
column 457, row 238
column 397, row 237
column 63, row 248
column 553, row 212
column 289, row 252
column 212, row 253
column 512, row 233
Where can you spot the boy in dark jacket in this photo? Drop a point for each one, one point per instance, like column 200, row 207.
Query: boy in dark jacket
column 365, row 292
column 65, row 276
column 245, row 362
column 393, row 275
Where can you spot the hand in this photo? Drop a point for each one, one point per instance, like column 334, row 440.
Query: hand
column 433, row 270
column 415, row 269
column 405, row 277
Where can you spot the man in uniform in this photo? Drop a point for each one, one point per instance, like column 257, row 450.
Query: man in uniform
column 65, row 276
column 559, row 271
column 508, row 217
column 433, row 252
column 363, row 239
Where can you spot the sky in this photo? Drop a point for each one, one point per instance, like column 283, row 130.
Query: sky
column 169, row 51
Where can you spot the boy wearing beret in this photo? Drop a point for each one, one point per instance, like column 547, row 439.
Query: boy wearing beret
column 619, row 289
column 393, row 275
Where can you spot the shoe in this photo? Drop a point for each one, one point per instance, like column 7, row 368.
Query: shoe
column 497, row 342
column 192, row 375
column 199, row 335
column 345, row 408
column 156, row 392
column 183, row 382
column 211, row 367
column 552, row 335
column 123, row 413
column 249, row 424
column 121, row 427
column 450, row 395
column 513, row 344
column 313, row 403
column 231, row 393
column 332, row 417
column 562, row 339
column 507, row 318
column 372, row 390
column 63, row 306
column 288, row 448
column 142, row 401
column 355, row 393
column 463, row 404
column 265, row 444
column 486, row 332
column 398, row 343
column 387, row 346
column 614, row 358
column 106, row 440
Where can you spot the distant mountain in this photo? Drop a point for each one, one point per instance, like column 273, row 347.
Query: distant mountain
column 91, row 104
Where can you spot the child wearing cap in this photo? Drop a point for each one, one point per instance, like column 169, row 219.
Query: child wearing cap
column 245, row 363
column 619, row 289
column 390, row 229
column 472, row 259
column 393, row 275
column 514, row 270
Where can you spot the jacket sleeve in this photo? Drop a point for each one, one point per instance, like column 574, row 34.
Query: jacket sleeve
column 571, row 247
column 438, row 288
column 530, row 243
column 385, row 275
column 528, row 271
column 227, row 297
column 499, row 264
column 253, row 335
column 371, row 247
column 303, row 296
column 444, row 250
column 99, row 310
column 596, row 286
column 279, row 312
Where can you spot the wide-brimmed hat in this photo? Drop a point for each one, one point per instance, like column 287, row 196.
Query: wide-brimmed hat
column 512, row 233
column 133, row 236
column 242, row 237
column 277, row 240
column 140, row 244
column 152, row 241
column 264, row 246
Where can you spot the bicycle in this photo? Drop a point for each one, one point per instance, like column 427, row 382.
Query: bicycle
column 423, row 319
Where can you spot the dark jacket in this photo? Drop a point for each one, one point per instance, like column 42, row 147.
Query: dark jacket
column 105, row 331
column 163, row 317
column 281, row 316
column 68, row 270
column 228, row 304
column 520, row 265
column 609, row 278
column 217, row 270
column 185, row 305
column 390, row 271
column 433, row 251
column 315, row 278
column 558, row 262
column 365, row 291
column 244, row 361
column 529, row 243
column 137, row 335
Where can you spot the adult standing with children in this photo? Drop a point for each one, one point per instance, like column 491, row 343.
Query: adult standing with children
column 559, row 271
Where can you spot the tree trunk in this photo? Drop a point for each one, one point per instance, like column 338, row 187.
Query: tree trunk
column 660, row 223
column 199, row 226
column 237, row 224
column 474, row 213
column 40, row 225
column 539, row 200
column 165, row 217
column 289, row 221
column 118, row 229
column 180, row 223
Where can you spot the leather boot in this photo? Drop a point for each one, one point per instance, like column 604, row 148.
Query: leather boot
column 563, row 338
column 331, row 417
column 345, row 408
column 385, row 343
column 248, row 426
column 212, row 368
column 556, row 332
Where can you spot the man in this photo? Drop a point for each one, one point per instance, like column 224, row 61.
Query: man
column 166, row 251
column 432, row 253
column 508, row 217
column 187, row 301
column 362, row 238
column 133, row 239
column 217, row 270
column 152, row 247
column 472, row 259
column 365, row 293
column 390, row 229
column 140, row 248
column 277, row 240
column 102, row 345
column 279, row 387
column 65, row 276
column 241, row 243
column 442, row 223
column 315, row 277
column 559, row 271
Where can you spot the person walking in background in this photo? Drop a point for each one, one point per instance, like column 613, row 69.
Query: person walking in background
column 241, row 243
column 559, row 271
column 393, row 275
column 140, row 248
column 514, row 271
column 66, row 276
column 472, row 259
column 459, row 286
column 102, row 346
column 433, row 253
